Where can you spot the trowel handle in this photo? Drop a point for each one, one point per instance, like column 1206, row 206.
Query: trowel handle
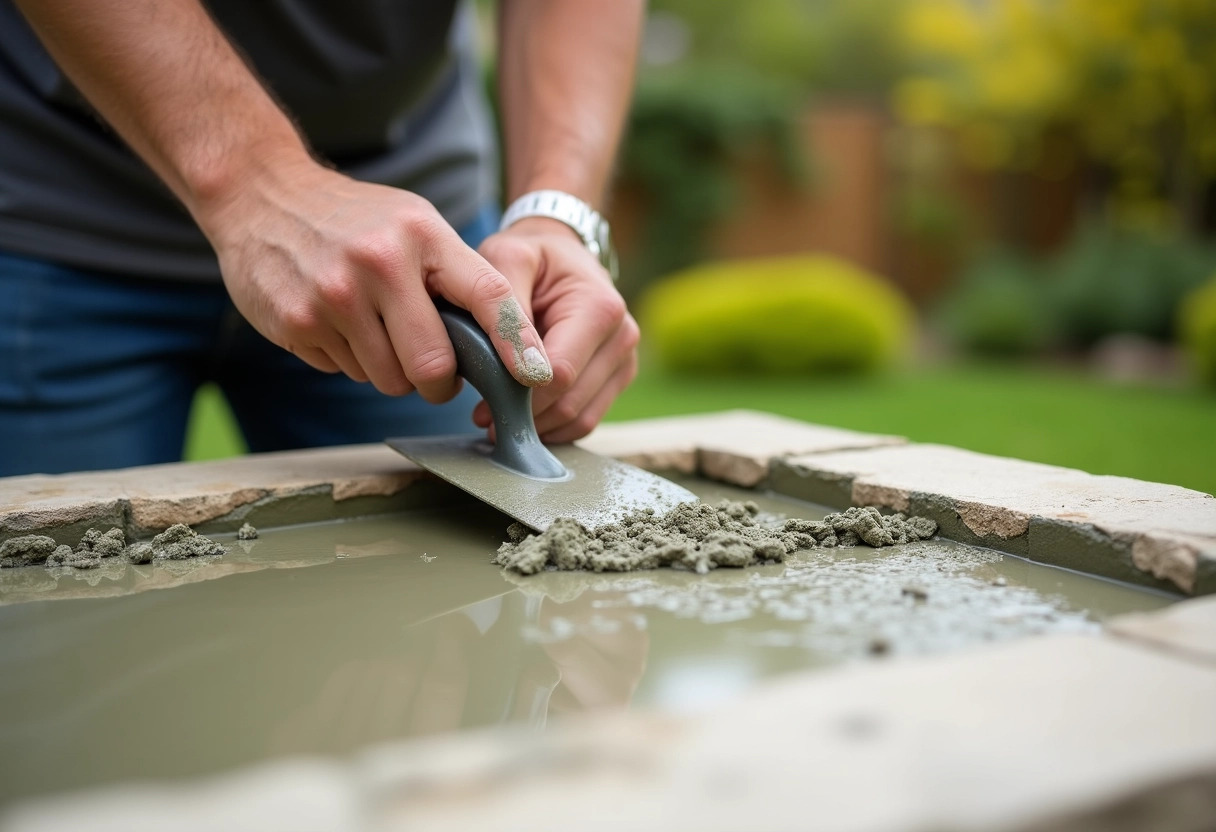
column 516, row 444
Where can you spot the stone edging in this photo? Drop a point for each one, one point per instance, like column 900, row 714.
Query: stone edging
column 1150, row 533
column 1130, row 530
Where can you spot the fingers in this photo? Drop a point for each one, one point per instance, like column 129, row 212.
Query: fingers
column 342, row 273
column 420, row 342
column 595, row 409
column 464, row 277
column 579, row 324
column 576, row 411
column 316, row 358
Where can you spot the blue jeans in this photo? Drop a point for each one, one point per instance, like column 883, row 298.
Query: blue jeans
column 99, row 370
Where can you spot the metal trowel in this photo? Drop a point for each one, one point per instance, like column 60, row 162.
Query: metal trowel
column 517, row 474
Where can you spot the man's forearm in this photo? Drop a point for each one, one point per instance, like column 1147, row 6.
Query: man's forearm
column 565, row 75
column 165, row 77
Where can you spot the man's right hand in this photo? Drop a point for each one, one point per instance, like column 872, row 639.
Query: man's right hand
column 337, row 271
column 341, row 273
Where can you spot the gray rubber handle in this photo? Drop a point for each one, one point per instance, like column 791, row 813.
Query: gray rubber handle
column 516, row 445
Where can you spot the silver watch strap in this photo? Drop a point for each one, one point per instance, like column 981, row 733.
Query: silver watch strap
column 574, row 212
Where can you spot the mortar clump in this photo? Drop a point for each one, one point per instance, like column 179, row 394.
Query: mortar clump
column 698, row 537
column 140, row 552
column 24, row 550
column 94, row 546
column 102, row 544
column 179, row 542
column 854, row 526
column 80, row 559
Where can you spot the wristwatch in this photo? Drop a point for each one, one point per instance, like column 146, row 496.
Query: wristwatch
column 567, row 208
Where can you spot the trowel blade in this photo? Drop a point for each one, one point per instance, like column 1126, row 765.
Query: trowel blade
column 599, row 490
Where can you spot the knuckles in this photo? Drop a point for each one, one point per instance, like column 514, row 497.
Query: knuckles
column 631, row 333
column 299, row 321
column 381, row 254
column 564, row 374
column 565, row 412
column 431, row 367
column 396, row 386
column 339, row 292
column 488, row 286
column 511, row 255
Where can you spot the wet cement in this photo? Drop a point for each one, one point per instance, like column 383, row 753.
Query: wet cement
column 699, row 537
column 323, row 639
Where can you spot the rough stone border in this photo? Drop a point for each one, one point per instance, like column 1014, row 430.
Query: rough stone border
column 327, row 483
column 274, row 489
column 1149, row 533
column 1157, row 535
column 1129, row 530
column 1104, row 733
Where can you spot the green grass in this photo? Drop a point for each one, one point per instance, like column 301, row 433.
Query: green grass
column 1148, row 432
column 212, row 432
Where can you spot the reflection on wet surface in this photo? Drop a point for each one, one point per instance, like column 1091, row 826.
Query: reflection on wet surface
column 323, row 639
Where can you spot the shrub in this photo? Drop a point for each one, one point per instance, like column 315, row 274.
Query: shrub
column 998, row 308
column 1113, row 280
column 802, row 314
column 1197, row 328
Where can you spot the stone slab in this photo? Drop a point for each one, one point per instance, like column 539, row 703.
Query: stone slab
column 1114, row 526
column 735, row 446
column 1067, row 732
column 150, row 498
column 1188, row 628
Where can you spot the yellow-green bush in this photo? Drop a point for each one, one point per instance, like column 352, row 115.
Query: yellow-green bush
column 1197, row 326
column 804, row 314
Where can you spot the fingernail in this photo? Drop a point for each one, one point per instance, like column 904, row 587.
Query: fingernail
column 535, row 367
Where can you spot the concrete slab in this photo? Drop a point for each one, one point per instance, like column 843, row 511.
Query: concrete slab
column 734, row 446
column 1112, row 526
column 1188, row 628
column 1042, row 734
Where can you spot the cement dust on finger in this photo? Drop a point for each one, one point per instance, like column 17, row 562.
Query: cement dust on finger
column 530, row 364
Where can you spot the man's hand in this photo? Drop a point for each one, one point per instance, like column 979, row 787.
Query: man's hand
column 337, row 271
column 341, row 273
column 590, row 337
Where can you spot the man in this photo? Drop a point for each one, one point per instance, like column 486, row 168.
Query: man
column 323, row 154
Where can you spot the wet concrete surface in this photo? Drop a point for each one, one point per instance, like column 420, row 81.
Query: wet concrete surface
column 326, row 638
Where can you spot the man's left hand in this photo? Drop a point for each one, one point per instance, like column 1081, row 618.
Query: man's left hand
column 589, row 336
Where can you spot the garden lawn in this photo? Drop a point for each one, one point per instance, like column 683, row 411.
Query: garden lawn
column 1156, row 433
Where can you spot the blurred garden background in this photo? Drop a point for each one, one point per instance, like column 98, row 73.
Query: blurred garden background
column 988, row 223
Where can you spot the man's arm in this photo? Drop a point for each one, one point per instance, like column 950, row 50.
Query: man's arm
column 566, row 72
column 337, row 271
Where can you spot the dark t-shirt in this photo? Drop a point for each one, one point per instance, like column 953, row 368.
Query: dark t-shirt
column 386, row 90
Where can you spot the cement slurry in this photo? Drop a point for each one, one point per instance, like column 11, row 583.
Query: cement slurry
column 330, row 637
